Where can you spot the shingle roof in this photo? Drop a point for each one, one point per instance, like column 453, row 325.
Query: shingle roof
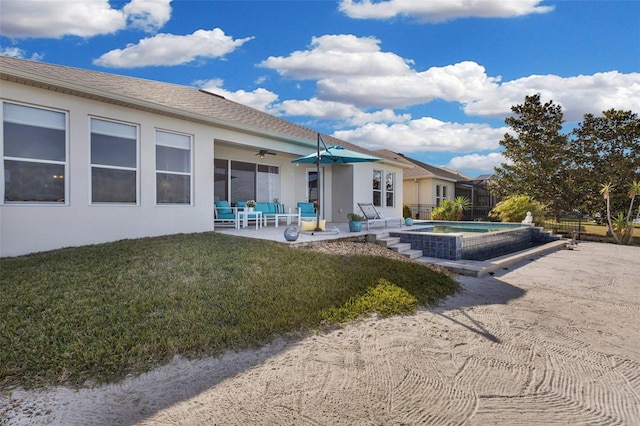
column 420, row 170
column 165, row 98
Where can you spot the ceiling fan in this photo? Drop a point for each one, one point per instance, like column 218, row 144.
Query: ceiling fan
column 264, row 152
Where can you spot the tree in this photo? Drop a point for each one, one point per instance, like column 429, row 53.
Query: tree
column 621, row 227
column 538, row 154
column 605, row 191
column 606, row 149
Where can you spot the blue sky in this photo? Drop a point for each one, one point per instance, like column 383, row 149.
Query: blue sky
column 433, row 79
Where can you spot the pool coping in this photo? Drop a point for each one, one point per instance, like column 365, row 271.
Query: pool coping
column 476, row 268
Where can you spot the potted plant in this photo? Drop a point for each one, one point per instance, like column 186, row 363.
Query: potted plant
column 355, row 222
column 250, row 205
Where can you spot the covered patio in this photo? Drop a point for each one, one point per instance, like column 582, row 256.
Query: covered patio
column 334, row 231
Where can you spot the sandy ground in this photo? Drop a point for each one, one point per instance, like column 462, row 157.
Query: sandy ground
column 553, row 340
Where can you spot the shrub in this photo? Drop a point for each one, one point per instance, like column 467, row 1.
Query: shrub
column 515, row 208
column 451, row 210
column 406, row 211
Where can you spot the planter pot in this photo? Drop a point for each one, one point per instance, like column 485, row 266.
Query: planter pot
column 408, row 221
column 250, row 209
column 355, row 225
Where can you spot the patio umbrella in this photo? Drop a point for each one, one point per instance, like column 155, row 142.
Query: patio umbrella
column 332, row 155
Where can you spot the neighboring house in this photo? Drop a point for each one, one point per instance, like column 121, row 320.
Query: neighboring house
column 91, row 157
column 426, row 187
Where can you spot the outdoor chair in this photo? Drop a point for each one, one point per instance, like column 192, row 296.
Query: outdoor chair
column 224, row 214
column 306, row 210
column 372, row 215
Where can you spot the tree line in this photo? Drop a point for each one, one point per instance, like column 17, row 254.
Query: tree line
column 566, row 171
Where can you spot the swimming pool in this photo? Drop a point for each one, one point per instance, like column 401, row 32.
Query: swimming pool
column 470, row 240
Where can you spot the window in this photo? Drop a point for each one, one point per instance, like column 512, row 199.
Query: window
column 377, row 188
column 114, row 162
column 239, row 181
column 221, row 179
column 268, row 183
column 173, row 168
column 441, row 194
column 35, row 154
column 390, row 185
column 243, row 181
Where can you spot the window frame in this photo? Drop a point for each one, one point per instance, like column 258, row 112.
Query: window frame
column 32, row 160
column 391, row 192
column 379, row 190
column 173, row 172
column 135, row 169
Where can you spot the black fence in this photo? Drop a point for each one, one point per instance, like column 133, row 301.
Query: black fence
column 569, row 225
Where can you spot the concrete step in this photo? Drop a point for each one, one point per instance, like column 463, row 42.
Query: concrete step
column 412, row 254
column 387, row 241
column 400, row 247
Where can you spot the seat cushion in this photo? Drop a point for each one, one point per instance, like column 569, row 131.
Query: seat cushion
column 223, row 207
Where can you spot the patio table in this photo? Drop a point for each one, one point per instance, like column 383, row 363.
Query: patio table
column 244, row 216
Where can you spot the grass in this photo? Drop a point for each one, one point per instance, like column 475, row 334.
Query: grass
column 95, row 314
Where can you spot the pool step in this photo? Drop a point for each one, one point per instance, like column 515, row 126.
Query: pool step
column 393, row 243
column 412, row 254
column 387, row 241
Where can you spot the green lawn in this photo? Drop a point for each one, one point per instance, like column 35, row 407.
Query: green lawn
column 98, row 313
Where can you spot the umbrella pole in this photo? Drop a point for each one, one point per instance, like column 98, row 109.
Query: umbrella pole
column 318, row 184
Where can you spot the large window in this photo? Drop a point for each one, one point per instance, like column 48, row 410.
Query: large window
column 377, row 188
column 268, row 183
column 173, row 168
column 114, row 162
column 390, row 189
column 240, row 181
column 35, row 154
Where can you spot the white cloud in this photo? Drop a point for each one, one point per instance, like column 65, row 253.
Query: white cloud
column 339, row 55
column 327, row 110
column 462, row 82
column 354, row 71
column 55, row 19
column 16, row 52
column 148, row 15
column 425, row 134
column 577, row 95
column 477, row 162
column 441, row 10
column 169, row 49
column 260, row 99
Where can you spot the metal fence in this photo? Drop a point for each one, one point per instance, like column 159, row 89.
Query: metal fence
column 569, row 225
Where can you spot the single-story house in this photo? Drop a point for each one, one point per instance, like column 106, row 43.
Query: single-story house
column 426, row 186
column 91, row 157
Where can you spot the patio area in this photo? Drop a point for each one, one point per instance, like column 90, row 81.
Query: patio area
column 334, row 231
column 340, row 232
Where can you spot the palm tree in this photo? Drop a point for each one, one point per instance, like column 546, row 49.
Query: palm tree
column 461, row 204
column 605, row 191
column 634, row 191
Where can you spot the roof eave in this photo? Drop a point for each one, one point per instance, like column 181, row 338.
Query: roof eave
column 50, row 83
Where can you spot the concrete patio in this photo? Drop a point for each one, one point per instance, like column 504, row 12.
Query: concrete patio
column 340, row 232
